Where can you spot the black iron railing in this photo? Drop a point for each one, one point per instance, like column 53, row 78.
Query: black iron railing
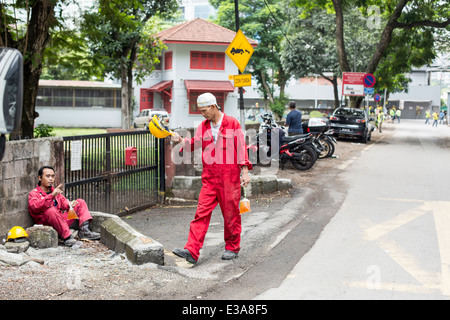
column 95, row 170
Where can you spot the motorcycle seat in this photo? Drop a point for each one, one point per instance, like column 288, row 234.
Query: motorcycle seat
column 292, row 138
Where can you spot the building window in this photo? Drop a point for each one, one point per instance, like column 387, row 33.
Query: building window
column 207, row 60
column 203, row 11
column 78, row 97
column 168, row 60
column 193, row 95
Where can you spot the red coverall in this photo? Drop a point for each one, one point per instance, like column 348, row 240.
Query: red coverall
column 222, row 164
column 44, row 211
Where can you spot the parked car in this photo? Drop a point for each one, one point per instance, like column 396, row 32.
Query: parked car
column 143, row 119
column 351, row 122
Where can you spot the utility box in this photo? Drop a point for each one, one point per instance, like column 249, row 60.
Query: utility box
column 130, row 156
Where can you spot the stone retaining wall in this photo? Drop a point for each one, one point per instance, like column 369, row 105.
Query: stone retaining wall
column 18, row 176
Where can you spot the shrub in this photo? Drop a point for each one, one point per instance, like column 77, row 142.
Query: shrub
column 43, row 130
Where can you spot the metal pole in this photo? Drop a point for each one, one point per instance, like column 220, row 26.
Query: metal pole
column 241, row 90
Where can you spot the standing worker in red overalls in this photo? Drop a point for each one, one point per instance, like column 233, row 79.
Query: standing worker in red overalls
column 225, row 169
column 48, row 206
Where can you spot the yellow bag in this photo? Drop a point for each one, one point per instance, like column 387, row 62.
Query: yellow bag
column 244, row 204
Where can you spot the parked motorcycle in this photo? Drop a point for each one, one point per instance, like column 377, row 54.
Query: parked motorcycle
column 323, row 135
column 298, row 149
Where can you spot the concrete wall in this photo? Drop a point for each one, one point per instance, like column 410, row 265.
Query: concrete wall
column 18, row 176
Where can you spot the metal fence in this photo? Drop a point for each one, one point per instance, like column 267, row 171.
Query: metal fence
column 95, row 170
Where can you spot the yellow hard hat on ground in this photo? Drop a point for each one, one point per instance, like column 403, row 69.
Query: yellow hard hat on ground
column 157, row 129
column 17, row 234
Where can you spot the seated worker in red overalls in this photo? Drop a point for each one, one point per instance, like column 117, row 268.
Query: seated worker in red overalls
column 48, row 206
column 224, row 159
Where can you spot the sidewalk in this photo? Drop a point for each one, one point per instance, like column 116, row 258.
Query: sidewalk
column 169, row 225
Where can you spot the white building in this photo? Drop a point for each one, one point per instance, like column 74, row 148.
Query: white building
column 194, row 62
column 193, row 9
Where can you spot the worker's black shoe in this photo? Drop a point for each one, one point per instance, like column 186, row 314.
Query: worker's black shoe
column 184, row 253
column 229, row 255
column 86, row 234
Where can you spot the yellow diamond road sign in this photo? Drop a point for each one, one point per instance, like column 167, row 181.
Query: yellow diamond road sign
column 240, row 50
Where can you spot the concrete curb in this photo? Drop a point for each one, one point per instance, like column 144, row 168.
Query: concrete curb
column 188, row 187
column 119, row 236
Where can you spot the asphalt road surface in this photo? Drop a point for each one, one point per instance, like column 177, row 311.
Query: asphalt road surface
column 390, row 238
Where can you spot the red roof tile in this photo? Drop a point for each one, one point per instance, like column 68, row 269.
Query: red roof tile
column 160, row 86
column 208, row 85
column 199, row 31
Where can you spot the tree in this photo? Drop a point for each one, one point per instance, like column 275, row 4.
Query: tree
column 30, row 37
column 408, row 15
column 67, row 57
column 311, row 45
column 116, row 35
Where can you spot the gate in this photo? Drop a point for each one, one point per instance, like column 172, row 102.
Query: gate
column 95, row 170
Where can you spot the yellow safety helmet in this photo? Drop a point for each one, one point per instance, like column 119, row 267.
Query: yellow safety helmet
column 16, row 233
column 157, row 129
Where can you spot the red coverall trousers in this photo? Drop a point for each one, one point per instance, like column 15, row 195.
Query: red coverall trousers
column 219, row 187
column 222, row 164
column 43, row 210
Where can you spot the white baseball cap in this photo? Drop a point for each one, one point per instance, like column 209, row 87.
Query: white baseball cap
column 206, row 99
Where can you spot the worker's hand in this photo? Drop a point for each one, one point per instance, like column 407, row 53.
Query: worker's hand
column 73, row 203
column 245, row 178
column 57, row 190
column 175, row 137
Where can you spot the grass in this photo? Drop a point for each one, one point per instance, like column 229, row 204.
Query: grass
column 67, row 132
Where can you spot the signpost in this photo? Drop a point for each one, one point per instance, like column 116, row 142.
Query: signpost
column 368, row 90
column 353, row 83
column 359, row 84
column 369, row 80
column 240, row 51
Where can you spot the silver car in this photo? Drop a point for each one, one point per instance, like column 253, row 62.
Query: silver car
column 143, row 119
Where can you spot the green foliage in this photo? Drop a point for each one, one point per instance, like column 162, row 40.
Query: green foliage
column 68, row 58
column 121, row 33
column 43, row 130
column 278, row 106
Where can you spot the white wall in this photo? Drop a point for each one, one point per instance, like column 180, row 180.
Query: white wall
column 432, row 93
column 79, row 117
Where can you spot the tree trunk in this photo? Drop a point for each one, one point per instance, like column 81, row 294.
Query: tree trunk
column 42, row 19
column 342, row 54
column 333, row 81
column 336, row 93
column 125, row 98
column 266, row 87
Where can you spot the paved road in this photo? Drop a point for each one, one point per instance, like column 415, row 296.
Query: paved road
column 390, row 238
